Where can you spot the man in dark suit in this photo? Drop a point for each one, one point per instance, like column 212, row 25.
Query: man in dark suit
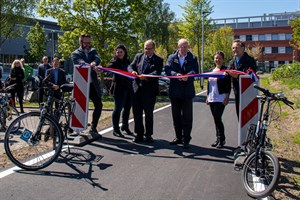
column 145, row 90
column 55, row 77
column 86, row 54
column 42, row 68
column 182, row 91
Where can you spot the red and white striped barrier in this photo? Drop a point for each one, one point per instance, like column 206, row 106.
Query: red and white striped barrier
column 249, row 106
column 81, row 91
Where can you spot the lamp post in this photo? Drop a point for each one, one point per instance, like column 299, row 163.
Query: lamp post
column 53, row 43
column 202, row 48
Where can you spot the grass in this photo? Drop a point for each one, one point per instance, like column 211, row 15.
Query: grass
column 296, row 138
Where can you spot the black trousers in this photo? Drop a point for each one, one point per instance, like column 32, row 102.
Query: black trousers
column 20, row 94
column 143, row 103
column 182, row 113
column 123, row 102
column 97, row 101
column 217, row 109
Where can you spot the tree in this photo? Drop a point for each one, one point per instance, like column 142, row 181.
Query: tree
column 219, row 40
column 295, row 41
column 37, row 42
column 196, row 11
column 109, row 22
column 12, row 14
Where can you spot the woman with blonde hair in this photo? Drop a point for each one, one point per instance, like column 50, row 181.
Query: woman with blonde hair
column 16, row 77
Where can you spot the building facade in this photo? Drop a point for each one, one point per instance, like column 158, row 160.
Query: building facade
column 273, row 32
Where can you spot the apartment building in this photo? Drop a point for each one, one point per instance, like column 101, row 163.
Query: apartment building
column 273, row 32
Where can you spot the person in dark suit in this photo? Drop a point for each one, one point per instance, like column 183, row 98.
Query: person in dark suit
column 145, row 90
column 55, row 77
column 218, row 90
column 121, row 90
column 182, row 91
column 86, row 54
column 42, row 68
column 241, row 62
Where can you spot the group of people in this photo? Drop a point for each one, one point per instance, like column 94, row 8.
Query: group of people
column 140, row 93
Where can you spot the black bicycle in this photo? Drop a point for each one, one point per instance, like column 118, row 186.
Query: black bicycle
column 40, row 137
column 8, row 111
column 261, row 168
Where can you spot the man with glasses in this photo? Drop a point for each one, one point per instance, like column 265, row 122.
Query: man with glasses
column 145, row 90
column 182, row 91
column 86, row 54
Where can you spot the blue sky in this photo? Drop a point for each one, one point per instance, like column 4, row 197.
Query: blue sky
column 241, row 8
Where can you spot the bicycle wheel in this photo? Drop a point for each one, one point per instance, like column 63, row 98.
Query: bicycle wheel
column 36, row 144
column 64, row 119
column 11, row 114
column 2, row 120
column 262, row 184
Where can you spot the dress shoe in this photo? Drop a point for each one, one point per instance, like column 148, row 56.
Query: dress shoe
column 215, row 143
column 149, row 139
column 94, row 131
column 128, row 132
column 176, row 141
column 138, row 140
column 118, row 133
column 221, row 144
column 185, row 145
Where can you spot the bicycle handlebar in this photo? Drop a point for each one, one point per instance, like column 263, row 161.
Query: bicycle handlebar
column 275, row 96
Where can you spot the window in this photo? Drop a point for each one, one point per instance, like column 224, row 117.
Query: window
column 281, row 49
column 281, row 62
column 288, row 50
column 274, row 49
column 236, row 37
column 248, row 37
column 268, row 50
column 281, row 36
column 275, row 37
column 254, row 37
column 243, row 37
column 288, row 36
column 261, row 37
column 268, row 37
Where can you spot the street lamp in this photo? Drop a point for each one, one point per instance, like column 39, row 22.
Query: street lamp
column 202, row 48
column 53, row 43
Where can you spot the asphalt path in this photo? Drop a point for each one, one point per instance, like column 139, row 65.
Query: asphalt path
column 116, row 168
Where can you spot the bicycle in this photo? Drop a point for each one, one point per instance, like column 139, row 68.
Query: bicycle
column 8, row 111
column 40, row 137
column 261, row 168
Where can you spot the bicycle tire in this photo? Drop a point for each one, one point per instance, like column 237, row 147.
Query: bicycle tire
column 39, row 150
column 268, row 178
column 2, row 119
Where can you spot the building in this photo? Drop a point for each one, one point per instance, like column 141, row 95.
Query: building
column 271, row 31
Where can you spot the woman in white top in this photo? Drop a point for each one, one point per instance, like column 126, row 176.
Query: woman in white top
column 218, row 91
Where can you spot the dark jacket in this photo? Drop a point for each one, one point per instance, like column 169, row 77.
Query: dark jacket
column 224, row 84
column 42, row 71
column 18, row 73
column 49, row 78
column 181, row 89
column 154, row 67
column 119, row 82
column 245, row 63
column 78, row 57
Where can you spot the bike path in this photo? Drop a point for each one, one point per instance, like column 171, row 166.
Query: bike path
column 116, row 168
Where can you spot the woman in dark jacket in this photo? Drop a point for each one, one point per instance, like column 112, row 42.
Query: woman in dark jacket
column 121, row 90
column 218, row 91
column 17, row 76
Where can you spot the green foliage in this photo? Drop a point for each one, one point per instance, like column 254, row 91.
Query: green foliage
column 12, row 14
column 289, row 74
column 37, row 42
column 219, row 40
column 296, row 138
column 195, row 11
column 295, row 24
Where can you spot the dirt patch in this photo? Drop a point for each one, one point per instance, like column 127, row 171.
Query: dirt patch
column 282, row 133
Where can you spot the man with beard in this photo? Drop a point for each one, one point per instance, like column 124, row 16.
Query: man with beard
column 86, row 54
column 42, row 68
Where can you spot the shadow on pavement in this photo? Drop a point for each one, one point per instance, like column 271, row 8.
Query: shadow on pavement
column 122, row 145
column 78, row 160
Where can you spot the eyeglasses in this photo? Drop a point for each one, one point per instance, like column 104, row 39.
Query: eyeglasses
column 148, row 48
